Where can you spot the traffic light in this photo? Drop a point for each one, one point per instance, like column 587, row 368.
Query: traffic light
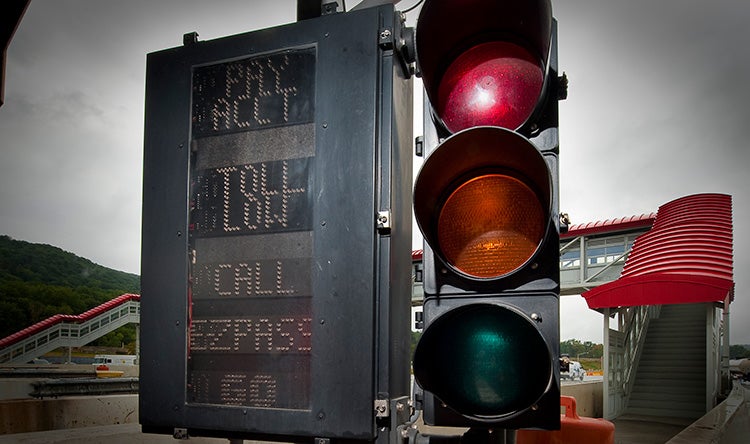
column 486, row 202
column 277, row 233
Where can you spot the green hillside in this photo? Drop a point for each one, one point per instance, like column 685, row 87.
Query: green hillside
column 38, row 281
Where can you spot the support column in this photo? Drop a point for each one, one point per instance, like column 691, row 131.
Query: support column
column 726, row 379
column 138, row 344
column 606, row 401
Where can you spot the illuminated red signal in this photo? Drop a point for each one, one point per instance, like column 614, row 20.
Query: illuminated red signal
column 495, row 83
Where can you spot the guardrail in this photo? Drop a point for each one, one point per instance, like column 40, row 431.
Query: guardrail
column 83, row 387
column 727, row 423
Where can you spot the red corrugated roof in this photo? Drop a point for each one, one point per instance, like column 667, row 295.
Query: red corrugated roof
column 416, row 255
column 605, row 226
column 686, row 257
column 610, row 226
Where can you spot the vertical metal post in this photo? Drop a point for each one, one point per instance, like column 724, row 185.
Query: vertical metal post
column 309, row 9
column 138, row 343
column 489, row 436
column 726, row 380
column 582, row 253
column 606, row 401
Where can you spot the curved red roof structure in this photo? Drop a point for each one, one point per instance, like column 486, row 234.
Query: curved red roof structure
column 416, row 255
column 610, row 225
column 686, row 257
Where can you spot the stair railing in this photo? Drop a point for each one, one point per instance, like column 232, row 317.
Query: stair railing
column 69, row 331
column 636, row 325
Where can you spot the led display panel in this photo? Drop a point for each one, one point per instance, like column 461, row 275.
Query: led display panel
column 250, row 309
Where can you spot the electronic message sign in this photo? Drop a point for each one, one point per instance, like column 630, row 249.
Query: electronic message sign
column 277, row 233
column 250, row 231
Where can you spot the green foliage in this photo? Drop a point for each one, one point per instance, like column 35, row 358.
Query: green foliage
column 739, row 351
column 38, row 281
column 123, row 336
column 415, row 335
column 575, row 348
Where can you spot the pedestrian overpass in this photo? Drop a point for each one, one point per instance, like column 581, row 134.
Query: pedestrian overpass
column 70, row 330
column 594, row 253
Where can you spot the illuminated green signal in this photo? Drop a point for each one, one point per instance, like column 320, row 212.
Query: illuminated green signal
column 484, row 360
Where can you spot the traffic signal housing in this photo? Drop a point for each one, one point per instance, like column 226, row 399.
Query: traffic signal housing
column 486, row 202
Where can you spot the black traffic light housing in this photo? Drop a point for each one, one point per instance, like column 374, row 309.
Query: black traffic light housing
column 486, row 201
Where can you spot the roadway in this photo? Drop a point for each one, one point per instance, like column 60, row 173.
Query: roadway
column 729, row 423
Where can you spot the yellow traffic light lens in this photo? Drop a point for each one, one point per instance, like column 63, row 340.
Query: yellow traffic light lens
column 490, row 225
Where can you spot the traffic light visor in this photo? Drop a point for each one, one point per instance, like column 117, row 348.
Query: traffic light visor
column 484, row 62
column 486, row 361
column 482, row 201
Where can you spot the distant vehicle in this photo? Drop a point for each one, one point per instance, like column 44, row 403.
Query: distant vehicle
column 571, row 369
column 114, row 360
column 39, row 361
column 740, row 368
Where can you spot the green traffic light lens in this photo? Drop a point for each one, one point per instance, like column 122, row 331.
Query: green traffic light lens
column 484, row 361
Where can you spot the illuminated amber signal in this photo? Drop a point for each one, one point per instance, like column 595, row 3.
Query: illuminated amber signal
column 490, row 225
column 482, row 201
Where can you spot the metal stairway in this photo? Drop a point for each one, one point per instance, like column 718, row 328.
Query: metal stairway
column 671, row 377
column 70, row 330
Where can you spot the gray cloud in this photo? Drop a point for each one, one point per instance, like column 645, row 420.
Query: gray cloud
column 656, row 110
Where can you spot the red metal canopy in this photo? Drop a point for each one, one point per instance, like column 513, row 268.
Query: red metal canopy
column 610, row 226
column 686, row 257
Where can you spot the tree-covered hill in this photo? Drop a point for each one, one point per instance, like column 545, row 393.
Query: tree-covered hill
column 38, row 281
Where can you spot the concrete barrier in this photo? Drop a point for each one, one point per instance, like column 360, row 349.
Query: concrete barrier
column 32, row 415
column 588, row 397
column 727, row 423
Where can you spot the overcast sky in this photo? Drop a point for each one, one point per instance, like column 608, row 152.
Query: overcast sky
column 655, row 111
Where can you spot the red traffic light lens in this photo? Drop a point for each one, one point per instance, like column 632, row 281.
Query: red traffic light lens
column 490, row 225
column 494, row 84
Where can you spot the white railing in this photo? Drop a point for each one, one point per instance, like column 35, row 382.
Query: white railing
column 637, row 321
column 71, row 334
column 623, row 354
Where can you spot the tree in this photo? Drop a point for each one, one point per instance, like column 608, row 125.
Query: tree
column 575, row 348
column 38, row 281
column 738, row 352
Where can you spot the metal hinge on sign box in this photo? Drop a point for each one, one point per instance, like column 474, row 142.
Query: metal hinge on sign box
column 384, row 222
